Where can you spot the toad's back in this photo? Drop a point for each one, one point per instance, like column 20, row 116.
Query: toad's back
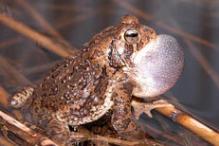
column 74, row 93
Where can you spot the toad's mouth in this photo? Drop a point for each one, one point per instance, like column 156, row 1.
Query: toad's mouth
column 157, row 66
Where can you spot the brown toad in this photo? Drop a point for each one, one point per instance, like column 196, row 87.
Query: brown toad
column 121, row 61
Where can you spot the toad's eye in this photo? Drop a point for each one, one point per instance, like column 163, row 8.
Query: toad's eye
column 131, row 36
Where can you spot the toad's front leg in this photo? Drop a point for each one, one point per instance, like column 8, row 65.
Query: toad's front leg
column 122, row 118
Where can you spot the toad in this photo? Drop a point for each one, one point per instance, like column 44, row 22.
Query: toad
column 122, row 61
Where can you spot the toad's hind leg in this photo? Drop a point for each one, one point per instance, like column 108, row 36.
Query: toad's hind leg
column 60, row 132
column 122, row 119
column 20, row 98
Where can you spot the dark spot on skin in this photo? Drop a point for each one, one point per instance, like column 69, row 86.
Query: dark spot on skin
column 128, row 87
column 73, row 128
column 66, row 65
column 1, row 126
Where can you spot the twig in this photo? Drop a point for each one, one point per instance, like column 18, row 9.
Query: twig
column 40, row 68
column 63, row 24
column 183, row 119
column 35, row 15
column 203, row 62
column 68, row 8
column 122, row 142
column 87, row 135
column 28, row 135
column 10, row 41
column 11, row 72
column 31, row 137
column 4, row 97
column 87, row 15
column 35, row 36
column 44, row 24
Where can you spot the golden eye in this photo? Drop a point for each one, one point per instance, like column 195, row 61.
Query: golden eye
column 131, row 36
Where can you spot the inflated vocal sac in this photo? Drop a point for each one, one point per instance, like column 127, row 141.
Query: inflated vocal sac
column 157, row 66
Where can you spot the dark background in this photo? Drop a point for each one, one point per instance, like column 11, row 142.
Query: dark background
column 195, row 23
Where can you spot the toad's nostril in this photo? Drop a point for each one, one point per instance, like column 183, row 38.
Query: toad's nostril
column 159, row 65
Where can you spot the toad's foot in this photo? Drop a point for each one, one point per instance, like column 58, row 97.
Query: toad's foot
column 20, row 98
column 145, row 107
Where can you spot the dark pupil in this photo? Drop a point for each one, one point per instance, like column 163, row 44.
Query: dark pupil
column 132, row 34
